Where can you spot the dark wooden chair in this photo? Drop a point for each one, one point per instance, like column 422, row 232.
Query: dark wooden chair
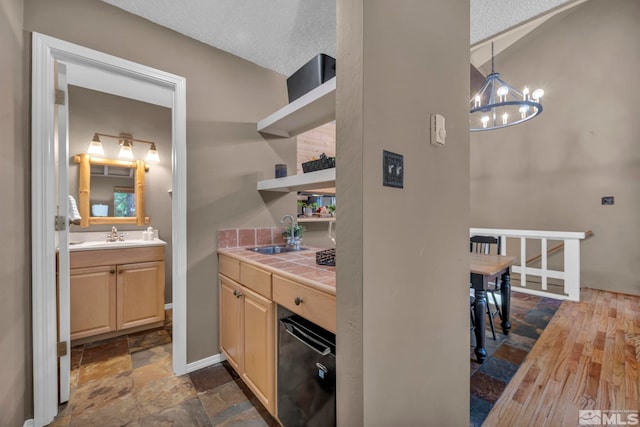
column 489, row 245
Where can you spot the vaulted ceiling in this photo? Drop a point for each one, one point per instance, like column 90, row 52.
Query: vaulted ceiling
column 282, row 35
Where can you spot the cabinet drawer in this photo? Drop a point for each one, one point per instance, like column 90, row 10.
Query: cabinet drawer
column 80, row 259
column 256, row 279
column 316, row 306
column 230, row 267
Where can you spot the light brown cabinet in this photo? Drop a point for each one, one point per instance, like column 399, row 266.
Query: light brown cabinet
column 247, row 330
column 140, row 294
column 93, row 301
column 109, row 294
column 316, row 306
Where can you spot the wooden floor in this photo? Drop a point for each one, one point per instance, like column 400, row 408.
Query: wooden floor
column 588, row 357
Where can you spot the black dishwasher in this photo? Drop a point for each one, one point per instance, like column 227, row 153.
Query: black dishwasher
column 306, row 372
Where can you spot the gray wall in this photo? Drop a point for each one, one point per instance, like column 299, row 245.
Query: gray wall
column 402, row 291
column 15, row 369
column 226, row 96
column 91, row 111
column 551, row 172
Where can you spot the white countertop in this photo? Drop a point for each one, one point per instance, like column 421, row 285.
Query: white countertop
column 92, row 241
column 132, row 243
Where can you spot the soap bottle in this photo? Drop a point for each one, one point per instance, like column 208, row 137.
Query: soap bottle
column 148, row 235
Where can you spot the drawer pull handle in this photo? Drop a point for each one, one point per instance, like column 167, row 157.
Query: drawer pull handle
column 298, row 301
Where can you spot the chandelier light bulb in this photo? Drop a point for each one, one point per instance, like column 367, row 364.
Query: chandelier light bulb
column 505, row 118
column 523, row 111
column 484, row 120
column 502, row 93
column 525, row 93
column 477, row 101
column 537, row 94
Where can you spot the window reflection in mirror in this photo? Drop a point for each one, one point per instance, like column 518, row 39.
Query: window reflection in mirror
column 124, row 201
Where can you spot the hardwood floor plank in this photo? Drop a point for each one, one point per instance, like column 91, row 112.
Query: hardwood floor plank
column 586, row 358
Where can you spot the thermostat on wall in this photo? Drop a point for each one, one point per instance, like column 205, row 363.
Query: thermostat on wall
column 438, row 131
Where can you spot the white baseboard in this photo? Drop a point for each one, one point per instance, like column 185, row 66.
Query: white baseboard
column 207, row 361
column 168, row 306
column 28, row 423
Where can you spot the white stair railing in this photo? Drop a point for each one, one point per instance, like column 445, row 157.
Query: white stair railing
column 571, row 273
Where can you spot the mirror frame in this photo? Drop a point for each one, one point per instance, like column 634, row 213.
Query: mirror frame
column 84, row 190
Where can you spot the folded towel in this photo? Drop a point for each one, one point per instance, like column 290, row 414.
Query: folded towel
column 74, row 215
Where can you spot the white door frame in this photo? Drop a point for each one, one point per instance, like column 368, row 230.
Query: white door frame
column 99, row 71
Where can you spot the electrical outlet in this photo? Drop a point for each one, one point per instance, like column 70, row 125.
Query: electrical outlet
column 608, row 200
column 392, row 169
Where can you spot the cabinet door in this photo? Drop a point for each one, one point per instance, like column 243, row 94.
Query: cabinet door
column 140, row 294
column 231, row 321
column 259, row 347
column 93, row 301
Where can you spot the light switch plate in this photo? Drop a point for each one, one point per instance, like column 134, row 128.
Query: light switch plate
column 438, row 131
column 392, row 169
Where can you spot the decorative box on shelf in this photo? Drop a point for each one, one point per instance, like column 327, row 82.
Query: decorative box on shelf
column 324, row 162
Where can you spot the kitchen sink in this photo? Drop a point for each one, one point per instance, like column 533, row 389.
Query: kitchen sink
column 274, row 249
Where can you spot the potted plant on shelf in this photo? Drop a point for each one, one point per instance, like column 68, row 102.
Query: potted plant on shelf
column 307, row 208
column 332, row 210
column 296, row 239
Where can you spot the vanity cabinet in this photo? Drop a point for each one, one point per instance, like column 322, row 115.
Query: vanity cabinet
column 115, row 290
column 247, row 326
column 93, row 301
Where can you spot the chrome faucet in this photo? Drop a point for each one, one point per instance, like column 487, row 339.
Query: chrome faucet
column 114, row 236
column 291, row 238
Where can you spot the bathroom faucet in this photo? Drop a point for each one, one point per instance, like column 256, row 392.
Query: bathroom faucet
column 114, row 237
column 291, row 238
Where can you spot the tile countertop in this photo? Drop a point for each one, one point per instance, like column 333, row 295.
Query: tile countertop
column 297, row 266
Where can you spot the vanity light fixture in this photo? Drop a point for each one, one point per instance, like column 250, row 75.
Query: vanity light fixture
column 126, row 147
column 95, row 146
column 499, row 105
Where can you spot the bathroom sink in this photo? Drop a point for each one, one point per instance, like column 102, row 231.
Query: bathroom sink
column 274, row 249
column 96, row 245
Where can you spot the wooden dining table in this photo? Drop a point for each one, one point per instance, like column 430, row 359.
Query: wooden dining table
column 487, row 268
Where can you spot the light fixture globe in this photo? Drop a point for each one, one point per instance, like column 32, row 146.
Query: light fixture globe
column 126, row 150
column 152, row 154
column 498, row 104
column 95, row 146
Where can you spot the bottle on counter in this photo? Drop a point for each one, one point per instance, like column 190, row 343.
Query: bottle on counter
column 148, row 235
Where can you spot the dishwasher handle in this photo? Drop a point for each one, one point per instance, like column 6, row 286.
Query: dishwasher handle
column 305, row 338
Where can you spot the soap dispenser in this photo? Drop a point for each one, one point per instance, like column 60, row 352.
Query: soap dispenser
column 148, row 235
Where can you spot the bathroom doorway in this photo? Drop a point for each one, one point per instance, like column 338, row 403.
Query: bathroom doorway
column 97, row 71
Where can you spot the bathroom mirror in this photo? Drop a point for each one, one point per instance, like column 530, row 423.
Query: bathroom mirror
column 124, row 204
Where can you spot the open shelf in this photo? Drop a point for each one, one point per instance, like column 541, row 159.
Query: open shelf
column 305, row 181
column 307, row 112
column 316, row 219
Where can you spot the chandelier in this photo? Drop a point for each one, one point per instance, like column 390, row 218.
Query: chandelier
column 499, row 105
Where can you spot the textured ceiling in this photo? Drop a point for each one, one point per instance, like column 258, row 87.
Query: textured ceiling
column 282, row 35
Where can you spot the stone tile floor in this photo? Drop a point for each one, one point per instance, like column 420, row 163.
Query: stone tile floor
column 529, row 316
column 128, row 381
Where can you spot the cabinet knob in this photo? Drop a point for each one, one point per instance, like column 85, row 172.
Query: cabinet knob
column 237, row 293
column 112, row 272
column 298, row 301
column 120, row 271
